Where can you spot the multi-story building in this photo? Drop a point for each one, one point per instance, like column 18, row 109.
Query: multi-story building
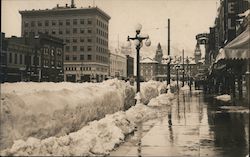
column 34, row 58
column 118, row 65
column 14, row 57
column 85, row 33
column 3, row 59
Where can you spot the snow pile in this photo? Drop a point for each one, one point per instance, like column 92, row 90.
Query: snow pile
column 42, row 110
column 49, row 109
column 151, row 89
column 224, row 97
column 185, row 88
column 97, row 138
column 163, row 99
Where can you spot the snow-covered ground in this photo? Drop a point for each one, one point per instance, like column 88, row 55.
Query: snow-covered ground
column 42, row 110
column 97, row 138
column 224, row 97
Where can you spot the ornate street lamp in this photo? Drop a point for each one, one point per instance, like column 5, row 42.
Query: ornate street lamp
column 138, row 43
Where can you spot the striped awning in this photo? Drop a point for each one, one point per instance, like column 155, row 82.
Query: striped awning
column 239, row 48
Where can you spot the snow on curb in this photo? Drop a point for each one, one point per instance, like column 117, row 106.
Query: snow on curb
column 49, row 109
column 163, row 99
column 224, row 97
column 97, row 138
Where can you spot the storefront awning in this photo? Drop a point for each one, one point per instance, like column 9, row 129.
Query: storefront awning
column 239, row 48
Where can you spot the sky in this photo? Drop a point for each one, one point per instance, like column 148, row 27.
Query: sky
column 187, row 19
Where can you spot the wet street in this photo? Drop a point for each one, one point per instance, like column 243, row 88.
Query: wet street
column 194, row 125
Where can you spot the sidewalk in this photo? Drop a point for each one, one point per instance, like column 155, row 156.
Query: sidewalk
column 183, row 130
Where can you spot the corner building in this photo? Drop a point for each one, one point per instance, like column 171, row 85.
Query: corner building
column 85, row 34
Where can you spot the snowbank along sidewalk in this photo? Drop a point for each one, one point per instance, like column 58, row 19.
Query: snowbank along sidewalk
column 42, row 110
column 97, row 138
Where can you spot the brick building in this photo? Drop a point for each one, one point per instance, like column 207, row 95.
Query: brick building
column 85, row 33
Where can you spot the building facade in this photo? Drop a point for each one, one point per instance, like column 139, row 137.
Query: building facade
column 118, row 65
column 34, row 58
column 130, row 66
column 85, row 33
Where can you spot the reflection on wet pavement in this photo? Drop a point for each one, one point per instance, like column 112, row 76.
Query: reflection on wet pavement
column 193, row 126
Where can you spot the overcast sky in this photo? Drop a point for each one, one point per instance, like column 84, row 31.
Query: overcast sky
column 187, row 17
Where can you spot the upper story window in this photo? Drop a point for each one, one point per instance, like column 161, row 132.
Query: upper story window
column 82, row 21
column 67, row 22
column 39, row 23
column 26, row 24
column 53, row 23
column 74, row 30
column 89, row 31
column 75, row 22
column 89, row 57
column 89, row 21
column 46, row 23
column 32, row 23
column 82, row 31
column 60, row 22
column 67, row 57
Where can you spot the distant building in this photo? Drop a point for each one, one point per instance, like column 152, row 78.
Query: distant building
column 130, row 66
column 148, row 68
column 156, row 69
column 34, row 58
column 118, row 65
column 85, row 33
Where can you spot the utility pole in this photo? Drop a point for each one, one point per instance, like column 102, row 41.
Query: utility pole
column 168, row 66
column 183, row 69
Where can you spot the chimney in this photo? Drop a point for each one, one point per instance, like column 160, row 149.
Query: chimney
column 72, row 4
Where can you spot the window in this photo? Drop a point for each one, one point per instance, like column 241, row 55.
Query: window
column 26, row 24
column 46, row 23
column 20, row 59
column 75, row 22
column 67, row 40
column 89, row 40
column 59, row 52
column 53, row 32
column 60, row 22
column 74, row 30
column 67, row 48
column 39, row 23
column 82, row 48
column 60, row 32
column 82, row 21
column 67, row 22
column 89, row 48
column 34, row 60
column 89, row 21
column 32, row 23
column 82, row 31
column 89, row 57
column 52, row 63
column 74, row 58
column 74, row 40
column 81, row 57
column 15, row 58
column 53, row 23
column 67, row 57
column 74, row 48
column 89, row 31
column 67, row 31
column 59, row 64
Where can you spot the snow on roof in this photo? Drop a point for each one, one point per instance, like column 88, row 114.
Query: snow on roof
column 148, row 60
